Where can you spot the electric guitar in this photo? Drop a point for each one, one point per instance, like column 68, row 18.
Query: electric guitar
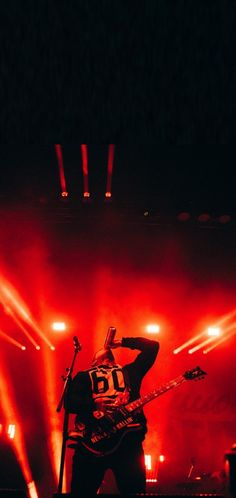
column 109, row 429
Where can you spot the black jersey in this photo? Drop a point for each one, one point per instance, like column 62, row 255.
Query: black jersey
column 105, row 383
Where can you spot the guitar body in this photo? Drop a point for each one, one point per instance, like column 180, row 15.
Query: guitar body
column 107, row 432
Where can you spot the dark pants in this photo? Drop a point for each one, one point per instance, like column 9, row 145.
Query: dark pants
column 127, row 464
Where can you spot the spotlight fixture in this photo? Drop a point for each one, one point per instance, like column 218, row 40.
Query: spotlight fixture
column 204, row 218
column 184, row 216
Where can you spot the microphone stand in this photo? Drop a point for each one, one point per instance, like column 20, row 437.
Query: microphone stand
column 67, row 379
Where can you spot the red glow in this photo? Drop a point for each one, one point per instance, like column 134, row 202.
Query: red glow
column 161, row 458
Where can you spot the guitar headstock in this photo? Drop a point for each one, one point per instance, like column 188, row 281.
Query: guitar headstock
column 194, row 374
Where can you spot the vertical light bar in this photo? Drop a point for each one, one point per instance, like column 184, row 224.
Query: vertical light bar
column 111, row 152
column 58, row 149
column 84, row 153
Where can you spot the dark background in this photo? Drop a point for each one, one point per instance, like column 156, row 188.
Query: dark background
column 118, row 72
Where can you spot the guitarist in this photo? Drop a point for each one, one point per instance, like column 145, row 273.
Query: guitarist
column 105, row 387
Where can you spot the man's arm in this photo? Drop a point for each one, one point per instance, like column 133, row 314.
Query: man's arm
column 148, row 351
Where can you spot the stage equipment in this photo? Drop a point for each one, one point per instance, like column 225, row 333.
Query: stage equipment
column 67, row 379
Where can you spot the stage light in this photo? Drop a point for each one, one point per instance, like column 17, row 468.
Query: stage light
column 225, row 218
column 187, row 343
column 153, row 328
column 204, row 217
column 64, row 194
column 223, row 339
column 11, row 431
column 161, row 458
column 52, row 348
column 32, row 489
column 23, row 348
column 108, row 194
column 37, row 347
column 184, row 216
column 148, row 462
column 213, row 331
column 86, row 194
column 58, row 326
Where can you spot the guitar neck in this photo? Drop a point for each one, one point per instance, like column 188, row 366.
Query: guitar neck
column 138, row 403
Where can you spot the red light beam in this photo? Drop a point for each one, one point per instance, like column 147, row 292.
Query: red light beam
column 217, row 343
column 24, row 330
column 58, row 149
column 187, row 343
column 202, row 344
column 10, row 339
column 111, row 153
column 9, row 408
column 84, row 153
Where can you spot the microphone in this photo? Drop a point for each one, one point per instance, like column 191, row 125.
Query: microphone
column 77, row 343
column 110, row 337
